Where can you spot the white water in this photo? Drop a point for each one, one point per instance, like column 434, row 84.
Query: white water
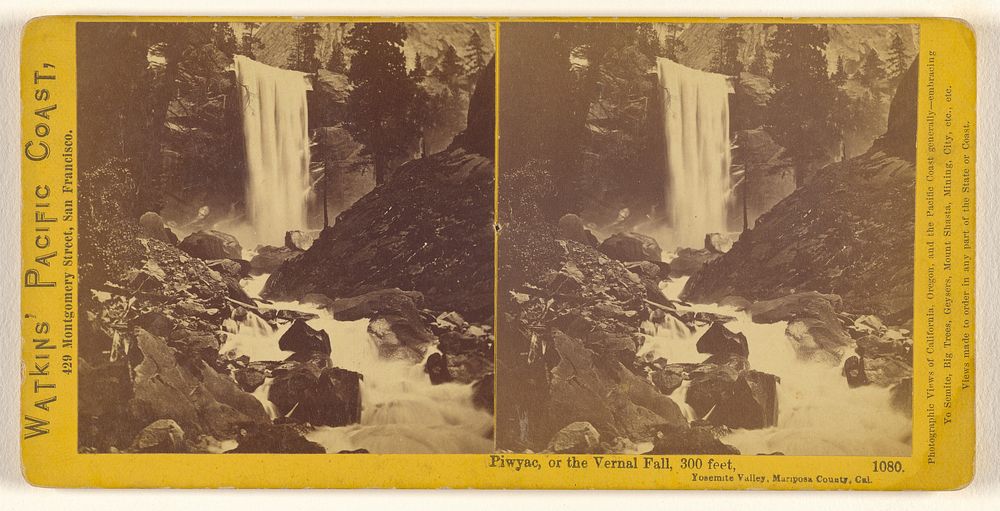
column 401, row 411
column 276, row 141
column 696, row 128
column 818, row 413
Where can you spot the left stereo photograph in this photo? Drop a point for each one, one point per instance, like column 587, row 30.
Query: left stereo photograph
column 286, row 237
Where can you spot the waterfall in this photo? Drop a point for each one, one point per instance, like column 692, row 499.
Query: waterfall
column 276, row 142
column 696, row 128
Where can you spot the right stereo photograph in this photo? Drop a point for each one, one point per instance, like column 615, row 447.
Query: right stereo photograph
column 706, row 238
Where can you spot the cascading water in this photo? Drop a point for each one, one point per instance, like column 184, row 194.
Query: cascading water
column 276, row 143
column 818, row 413
column 696, row 129
column 401, row 411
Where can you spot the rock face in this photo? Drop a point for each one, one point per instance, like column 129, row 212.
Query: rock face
column 718, row 340
column 212, row 245
column 308, row 390
column 720, row 243
column 269, row 259
column 429, row 228
column 575, row 438
column 302, row 338
column 812, row 322
column 848, row 231
column 631, row 246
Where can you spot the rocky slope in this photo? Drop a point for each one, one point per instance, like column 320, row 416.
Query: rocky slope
column 427, row 229
column 849, row 231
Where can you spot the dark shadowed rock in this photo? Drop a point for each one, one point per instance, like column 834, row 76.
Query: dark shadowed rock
column 198, row 398
column 854, row 371
column 689, row 440
column 301, row 337
column 482, row 393
column 667, row 380
column 275, row 438
column 376, row 303
column 631, row 246
column 571, row 228
column 719, row 340
column 212, row 245
column 163, row 435
column 428, row 228
column 269, row 259
column 752, row 405
column 575, row 438
column 690, row 261
column 151, row 226
column 310, row 391
column 436, row 368
column 901, row 396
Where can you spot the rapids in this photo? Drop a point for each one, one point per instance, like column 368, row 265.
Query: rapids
column 818, row 413
column 401, row 411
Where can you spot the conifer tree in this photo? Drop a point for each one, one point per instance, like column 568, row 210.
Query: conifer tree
column 224, row 38
column 303, row 57
column 840, row 74
column 476, row 55
column 872, row 70
column 450, row 68
column 672, row 44
column 799, row 113
column 726, row 59
column 337, row 62
column 759, row 65
column 898, row 61
column 647, row 40
column 380, row 105
column 250, row 42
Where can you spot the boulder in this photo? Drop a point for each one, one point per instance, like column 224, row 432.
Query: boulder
column 719, row 340
column 376, row 303
column 631, row 246
column 275, row 438
column 300, row 240
column 854, row 371
column 436, row 368
column 212, row 244
column 301, row 337
column 690, row 261
column 812, row 321
column 719, row 242
column 151, row 226
column 576, row 438
column 482, row 393
column 727, row 393
column 901, row 396
column 308, row 391
column 689, row 440
column 162, row 436
column 269, row 259
column 571, row 228
column 193, row 394
column 667, row 380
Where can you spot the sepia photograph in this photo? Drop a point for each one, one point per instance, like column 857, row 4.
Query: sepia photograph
column 286, row 237
column 706, row 238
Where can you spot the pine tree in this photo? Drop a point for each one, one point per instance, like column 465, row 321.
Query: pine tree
column 476, row 55
column 759, row 65
column 224, row 38
column 726, row 59
column 647, row 40
column 251, row 40
column 303, row 57
column 450, row 68
column 672, row 44
column 898, row 61
column 872, row 70
column 840, row 75
column 418, row 73
column 380, row 105
column 337, row 63
column 804, row 96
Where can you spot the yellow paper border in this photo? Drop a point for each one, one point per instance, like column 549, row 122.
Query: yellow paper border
column 53, row 460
